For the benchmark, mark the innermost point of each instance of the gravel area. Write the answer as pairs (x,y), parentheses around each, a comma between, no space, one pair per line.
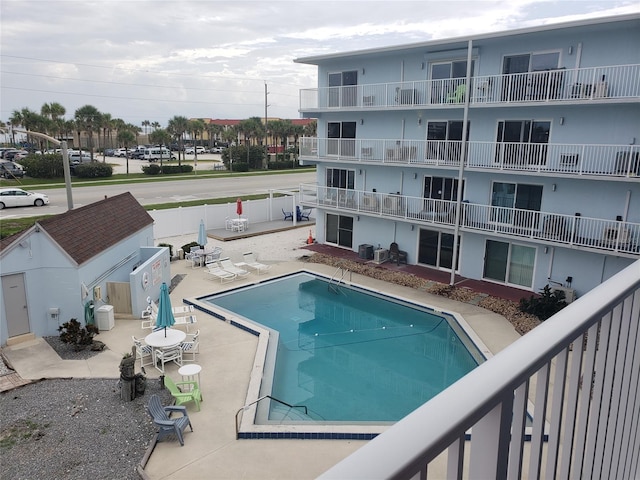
(74,428)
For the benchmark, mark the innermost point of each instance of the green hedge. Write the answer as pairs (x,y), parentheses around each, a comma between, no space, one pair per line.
(43,166)
(282,165)
(93,170)
(155,169)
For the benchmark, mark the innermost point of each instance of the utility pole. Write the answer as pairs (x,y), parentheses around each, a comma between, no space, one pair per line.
(266,130)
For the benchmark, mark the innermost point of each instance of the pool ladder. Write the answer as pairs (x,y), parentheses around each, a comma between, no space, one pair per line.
(302,407)
(337,279)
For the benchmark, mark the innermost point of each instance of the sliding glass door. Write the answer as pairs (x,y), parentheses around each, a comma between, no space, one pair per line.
(509,263)
(339,230)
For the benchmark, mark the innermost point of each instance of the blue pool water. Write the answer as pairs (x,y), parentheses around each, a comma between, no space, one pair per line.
(352,355)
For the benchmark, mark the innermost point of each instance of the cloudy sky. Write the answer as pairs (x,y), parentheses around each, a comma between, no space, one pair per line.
(151,60)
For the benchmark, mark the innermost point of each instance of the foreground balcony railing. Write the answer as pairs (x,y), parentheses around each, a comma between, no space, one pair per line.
(580,369)
(547,227)
(557,159)
(617,82)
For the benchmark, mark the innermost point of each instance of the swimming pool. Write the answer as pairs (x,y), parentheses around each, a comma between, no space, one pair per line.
(349,355)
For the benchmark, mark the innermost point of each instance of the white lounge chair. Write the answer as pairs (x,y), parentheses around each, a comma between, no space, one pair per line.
(185,320)
(251,262)
(227,265)
(215,271)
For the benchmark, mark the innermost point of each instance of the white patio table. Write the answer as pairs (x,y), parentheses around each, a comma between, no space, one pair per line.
(157,339)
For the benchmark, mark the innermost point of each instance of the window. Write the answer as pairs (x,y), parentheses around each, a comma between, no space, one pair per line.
(522,142)
(509,263)
(341,91)
(444,140)
(519,196)
(341,138)
(339,230)
(521,85)
(436,249)
(446,77)
(341,178)
(441,188)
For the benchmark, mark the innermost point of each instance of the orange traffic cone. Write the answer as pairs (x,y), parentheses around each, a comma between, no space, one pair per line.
(310,239)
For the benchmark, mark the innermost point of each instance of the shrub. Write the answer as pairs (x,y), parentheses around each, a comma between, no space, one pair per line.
(43,166)
(187,247)
(155,169)
(282,165)
(170,248)
(544,306)
(76,335)
(93,170)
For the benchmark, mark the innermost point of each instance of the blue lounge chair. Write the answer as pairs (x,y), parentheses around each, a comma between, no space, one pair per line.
(287,215)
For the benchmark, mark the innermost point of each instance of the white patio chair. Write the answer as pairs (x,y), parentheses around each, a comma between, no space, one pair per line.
(251,262)
(227,265)
(162,356)
(215,271)
(143,351)
(191,347)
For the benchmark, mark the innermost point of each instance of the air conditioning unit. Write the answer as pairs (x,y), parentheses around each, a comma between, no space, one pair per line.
(380,255)
(392,204)
(569,293)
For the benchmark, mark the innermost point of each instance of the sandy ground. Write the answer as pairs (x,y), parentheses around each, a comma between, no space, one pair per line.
(271,247)
(206,161)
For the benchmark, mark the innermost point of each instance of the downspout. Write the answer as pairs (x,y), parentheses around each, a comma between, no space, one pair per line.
(463,153)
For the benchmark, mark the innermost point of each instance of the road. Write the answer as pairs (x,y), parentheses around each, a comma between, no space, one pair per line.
(165,192)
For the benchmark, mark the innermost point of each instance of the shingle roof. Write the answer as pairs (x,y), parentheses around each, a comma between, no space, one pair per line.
(86,231)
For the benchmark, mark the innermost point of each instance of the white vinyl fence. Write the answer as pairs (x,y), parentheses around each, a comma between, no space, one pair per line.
(186,220)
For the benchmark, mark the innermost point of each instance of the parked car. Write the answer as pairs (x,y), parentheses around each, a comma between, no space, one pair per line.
(191,150)
(120,152)
(154,154)
(16,197)
(11,170)
(109,152)
(11,154)
(76,158)
(217,149)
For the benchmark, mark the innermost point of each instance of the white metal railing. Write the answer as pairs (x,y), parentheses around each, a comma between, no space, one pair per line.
(575,85)
(581,370)
(557,158)
(548,227)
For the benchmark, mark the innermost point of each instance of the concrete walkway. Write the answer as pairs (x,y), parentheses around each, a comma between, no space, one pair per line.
(227,357)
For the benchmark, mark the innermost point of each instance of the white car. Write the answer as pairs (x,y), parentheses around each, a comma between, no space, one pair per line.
(191,151)
(217,149)
(16,197)
(121,152)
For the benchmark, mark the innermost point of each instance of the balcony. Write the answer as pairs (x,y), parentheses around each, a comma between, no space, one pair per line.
(572,231)
(574,160)
(581,85)
(579,369)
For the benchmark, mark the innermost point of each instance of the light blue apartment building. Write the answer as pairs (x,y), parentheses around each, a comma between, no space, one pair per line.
(549,189)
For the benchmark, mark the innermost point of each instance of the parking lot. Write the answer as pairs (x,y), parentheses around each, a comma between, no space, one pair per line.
(206,161)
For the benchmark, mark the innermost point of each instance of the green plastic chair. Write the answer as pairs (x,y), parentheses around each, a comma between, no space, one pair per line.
(458,95)
(184,392)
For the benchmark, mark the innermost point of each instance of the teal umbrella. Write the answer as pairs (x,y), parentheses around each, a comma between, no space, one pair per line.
(165,313)
(202,235)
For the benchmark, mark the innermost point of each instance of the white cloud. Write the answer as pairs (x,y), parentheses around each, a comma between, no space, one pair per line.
(151,60)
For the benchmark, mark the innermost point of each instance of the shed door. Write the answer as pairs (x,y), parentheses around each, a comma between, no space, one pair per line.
(119,295)
(15,304)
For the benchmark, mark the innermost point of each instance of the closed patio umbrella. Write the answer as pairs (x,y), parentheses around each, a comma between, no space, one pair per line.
(165,314)
(202,235)
(239,207)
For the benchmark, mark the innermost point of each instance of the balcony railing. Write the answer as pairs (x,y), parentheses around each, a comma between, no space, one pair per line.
(576,85)
(557,159)
(545,227)
(580,371)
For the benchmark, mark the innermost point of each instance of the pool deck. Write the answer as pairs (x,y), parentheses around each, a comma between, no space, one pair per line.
(228,357)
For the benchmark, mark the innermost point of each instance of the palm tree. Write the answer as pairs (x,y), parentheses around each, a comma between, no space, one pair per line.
(106,123)
(311,129)
(196,127)
(126,137)
(145,124)
(296,131)
(88,120)
(162,138)
(177,127)
(156,125)
(54,111)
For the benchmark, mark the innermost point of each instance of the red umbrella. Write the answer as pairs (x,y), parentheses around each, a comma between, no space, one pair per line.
(239,206)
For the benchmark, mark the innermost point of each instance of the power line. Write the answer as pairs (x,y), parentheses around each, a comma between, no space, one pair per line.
(149,71)
(138,84)
(126,98)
